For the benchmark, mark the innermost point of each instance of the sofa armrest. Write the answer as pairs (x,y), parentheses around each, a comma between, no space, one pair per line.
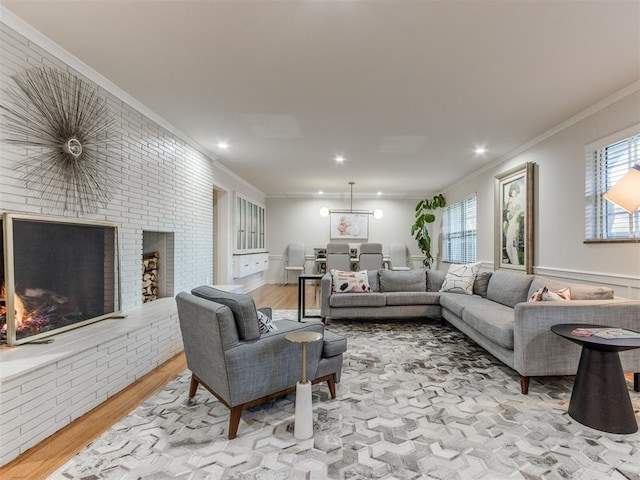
(538,351)
(325,293)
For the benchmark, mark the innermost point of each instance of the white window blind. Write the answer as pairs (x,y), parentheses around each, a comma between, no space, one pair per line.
(606,165)
(459,232)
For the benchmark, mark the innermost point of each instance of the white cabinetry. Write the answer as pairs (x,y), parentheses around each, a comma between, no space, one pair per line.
(250,225)
(250,263)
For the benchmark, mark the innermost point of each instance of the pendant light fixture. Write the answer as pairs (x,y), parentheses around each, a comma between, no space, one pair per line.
(377,213)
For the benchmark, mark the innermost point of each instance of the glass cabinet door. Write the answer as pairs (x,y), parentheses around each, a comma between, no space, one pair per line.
(250,225)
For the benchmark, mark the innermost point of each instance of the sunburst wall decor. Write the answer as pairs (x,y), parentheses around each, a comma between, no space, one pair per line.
(71,129)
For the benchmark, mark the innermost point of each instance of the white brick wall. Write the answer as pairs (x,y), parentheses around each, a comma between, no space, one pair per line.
(45,387)
(165,185)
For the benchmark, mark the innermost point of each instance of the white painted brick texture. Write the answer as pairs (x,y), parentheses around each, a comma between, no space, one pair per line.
(163,185)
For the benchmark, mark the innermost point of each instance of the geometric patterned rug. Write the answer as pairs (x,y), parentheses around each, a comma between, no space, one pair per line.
(417,400)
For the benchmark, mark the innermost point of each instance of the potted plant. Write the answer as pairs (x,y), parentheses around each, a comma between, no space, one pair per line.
(425,216)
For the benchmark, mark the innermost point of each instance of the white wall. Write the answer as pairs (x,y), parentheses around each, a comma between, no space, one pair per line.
(298,220)
(559,204)
(165,183)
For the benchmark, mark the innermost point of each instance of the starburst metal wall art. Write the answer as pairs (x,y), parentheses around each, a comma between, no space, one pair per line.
(71,134)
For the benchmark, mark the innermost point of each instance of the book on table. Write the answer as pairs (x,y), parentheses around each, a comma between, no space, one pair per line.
(608,333)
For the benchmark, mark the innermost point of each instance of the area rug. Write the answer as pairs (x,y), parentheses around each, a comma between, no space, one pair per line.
(417,400)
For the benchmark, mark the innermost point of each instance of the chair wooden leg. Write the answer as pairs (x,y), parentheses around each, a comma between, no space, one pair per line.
(194,386)
(636,382)
(234,421)
(524,385)
(331,382)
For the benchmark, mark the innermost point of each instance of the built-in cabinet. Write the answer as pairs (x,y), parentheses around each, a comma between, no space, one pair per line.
(250,223)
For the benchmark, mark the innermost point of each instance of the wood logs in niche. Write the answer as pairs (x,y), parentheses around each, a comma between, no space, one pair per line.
(150,276)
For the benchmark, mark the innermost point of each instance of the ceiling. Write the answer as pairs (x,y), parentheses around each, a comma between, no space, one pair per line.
(405,90)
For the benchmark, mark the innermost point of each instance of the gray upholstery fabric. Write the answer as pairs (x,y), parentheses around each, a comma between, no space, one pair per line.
(374,281)
(509,288)
(413,298)
(241,371)
(493,320)
(458,302)
(242,306)
(435,279)
(481,284)
(403,281)
(370,257)
(333,344)
(358,300)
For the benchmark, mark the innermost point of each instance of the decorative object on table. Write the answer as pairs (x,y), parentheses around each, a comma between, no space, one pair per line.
(420,228)
(69,128)
(303,426)
(514,219)
(626,193)
(349,224)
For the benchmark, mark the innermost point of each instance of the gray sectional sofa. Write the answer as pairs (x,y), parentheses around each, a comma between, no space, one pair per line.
(497,316)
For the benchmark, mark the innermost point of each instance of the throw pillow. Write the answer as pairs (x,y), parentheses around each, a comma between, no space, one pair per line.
(349,282)
(481,283)
(460,278)
(543,294)
(266,324)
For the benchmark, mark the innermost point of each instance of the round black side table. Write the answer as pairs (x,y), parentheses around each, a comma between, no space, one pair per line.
(600,398)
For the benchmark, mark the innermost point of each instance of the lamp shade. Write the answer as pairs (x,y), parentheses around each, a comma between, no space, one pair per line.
(626,193)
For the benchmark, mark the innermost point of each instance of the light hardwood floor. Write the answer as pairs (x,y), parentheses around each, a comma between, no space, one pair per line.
(43,459)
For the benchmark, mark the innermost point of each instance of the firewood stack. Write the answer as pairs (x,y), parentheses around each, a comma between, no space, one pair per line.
(150,276)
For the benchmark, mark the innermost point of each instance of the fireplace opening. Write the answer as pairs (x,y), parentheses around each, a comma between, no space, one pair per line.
(57,274)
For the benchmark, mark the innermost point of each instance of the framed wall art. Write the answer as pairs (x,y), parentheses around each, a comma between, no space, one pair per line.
(514,219)
(349,225)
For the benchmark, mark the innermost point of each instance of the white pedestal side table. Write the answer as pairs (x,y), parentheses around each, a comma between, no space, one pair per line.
(303,427)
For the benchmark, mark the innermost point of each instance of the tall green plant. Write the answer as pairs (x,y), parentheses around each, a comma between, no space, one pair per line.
(425,216)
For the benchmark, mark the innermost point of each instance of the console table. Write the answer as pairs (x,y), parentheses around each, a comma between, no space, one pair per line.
(302,279)
(600,398)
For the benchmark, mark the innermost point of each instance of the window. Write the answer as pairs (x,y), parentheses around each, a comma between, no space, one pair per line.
(607,162)
(459,232)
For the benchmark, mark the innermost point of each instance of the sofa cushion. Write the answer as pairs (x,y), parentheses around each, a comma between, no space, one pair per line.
(413,298)
(509,288)
(349,282)
(374,281)
(333,344)
(265,323)
(481,283)
(403,281)
(435,279)
(493,320)
(242,306)
(543,294)
(456,303)
(358,300)
(460,278)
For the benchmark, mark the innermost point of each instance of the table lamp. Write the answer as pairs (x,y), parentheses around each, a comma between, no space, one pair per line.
(626,193)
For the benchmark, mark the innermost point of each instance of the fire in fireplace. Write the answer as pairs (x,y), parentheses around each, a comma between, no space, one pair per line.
(57,274)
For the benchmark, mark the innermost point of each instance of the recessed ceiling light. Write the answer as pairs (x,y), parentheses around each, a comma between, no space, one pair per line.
(223,145)
(339,158)
(379,193)
(480,151)
(320,192)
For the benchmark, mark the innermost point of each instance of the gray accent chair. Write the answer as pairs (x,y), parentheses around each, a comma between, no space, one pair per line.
(370,257)
(338,257)
(241,367)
